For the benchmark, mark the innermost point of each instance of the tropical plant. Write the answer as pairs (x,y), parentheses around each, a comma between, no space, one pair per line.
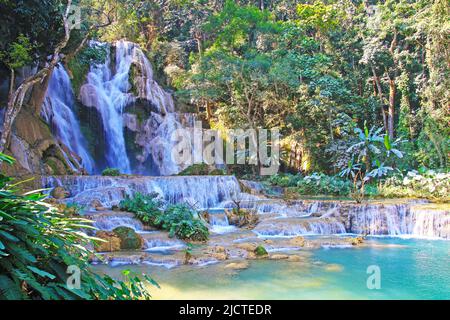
(183,222)
(146,207)
(414,184)
(179,220)
(39,245)
(365,154)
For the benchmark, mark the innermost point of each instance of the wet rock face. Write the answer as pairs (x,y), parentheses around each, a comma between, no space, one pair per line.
(237,265)
(111,242)
(298,241)
(36,150)
(242,218)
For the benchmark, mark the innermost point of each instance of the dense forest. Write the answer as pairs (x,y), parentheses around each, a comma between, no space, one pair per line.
(313,69)
(358,89)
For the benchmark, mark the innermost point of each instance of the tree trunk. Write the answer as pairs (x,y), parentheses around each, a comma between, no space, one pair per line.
(16,97)
(391,111)
(38,94)
(377,82)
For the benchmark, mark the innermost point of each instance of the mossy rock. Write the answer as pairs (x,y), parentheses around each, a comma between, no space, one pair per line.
(111,242)
(260,251)
(217,172)
(200,169)
(111,172)
(129,239)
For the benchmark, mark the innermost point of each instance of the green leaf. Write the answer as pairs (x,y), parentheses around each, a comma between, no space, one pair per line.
(6,158)
(42,273)
(387,142)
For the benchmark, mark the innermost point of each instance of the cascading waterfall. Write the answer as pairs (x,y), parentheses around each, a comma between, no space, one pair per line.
(278,217)
(110,90)
(58,112)
(399,220)
(203,192)
(108,93)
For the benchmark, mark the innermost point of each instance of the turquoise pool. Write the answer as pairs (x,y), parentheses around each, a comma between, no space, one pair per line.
(409,269)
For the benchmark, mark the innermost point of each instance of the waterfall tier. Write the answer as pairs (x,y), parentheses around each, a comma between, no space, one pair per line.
(200,191)
(58,111)
(277,217)
(137,115)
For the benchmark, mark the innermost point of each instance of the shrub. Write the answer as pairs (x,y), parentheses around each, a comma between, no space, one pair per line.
(218,172)
(314,184)
(285,180)
(145,207)
(37,245)
(200,169)
(179,220)
(428,184)
(111,172)
(321,184)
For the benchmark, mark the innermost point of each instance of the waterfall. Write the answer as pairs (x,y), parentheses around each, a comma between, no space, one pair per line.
(296,227)
(203,192)
(108,221)
(219,222)
(58,112)
(107,91)
(277,217)
(399,220)
(111,89)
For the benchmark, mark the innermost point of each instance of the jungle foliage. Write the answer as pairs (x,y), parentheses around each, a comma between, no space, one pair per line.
(314,69)
(42,246)
(180,220)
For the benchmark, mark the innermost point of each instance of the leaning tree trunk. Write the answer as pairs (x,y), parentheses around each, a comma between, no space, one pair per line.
(16,97)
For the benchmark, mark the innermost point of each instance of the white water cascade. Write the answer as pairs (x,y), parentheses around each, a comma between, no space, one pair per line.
(58,112)
(277,217)
(399,220)
(110,91)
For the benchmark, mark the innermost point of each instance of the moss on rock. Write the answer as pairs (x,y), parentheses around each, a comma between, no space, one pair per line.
(129,239)
(260,251)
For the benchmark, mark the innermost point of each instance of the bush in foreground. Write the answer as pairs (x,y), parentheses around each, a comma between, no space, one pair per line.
(39,244)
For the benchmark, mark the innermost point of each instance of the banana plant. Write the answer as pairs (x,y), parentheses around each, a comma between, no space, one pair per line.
(391,146)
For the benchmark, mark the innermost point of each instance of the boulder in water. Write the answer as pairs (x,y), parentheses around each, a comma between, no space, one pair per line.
(260,251)
(129,239)
(294,258)
(218,252)
(242,218)
(97,205)
(59,193)
(237,265)
(279,257)
(356,241)
(247,246)
(111,242)
(333,267)
(298,241)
